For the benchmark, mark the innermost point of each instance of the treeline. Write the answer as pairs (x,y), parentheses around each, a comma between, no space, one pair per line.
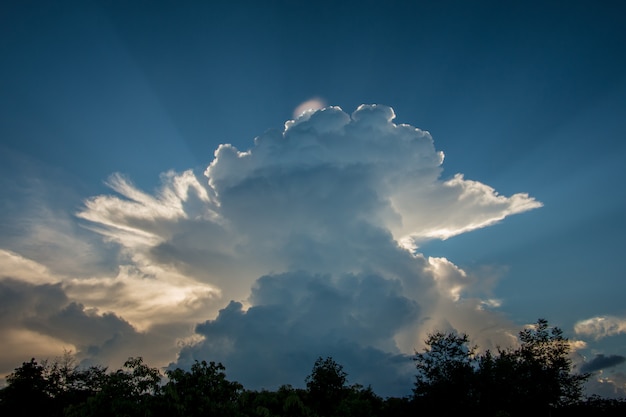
(451,378)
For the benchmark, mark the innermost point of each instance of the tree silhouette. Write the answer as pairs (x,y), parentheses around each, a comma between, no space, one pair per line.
(326,385)
(49,388)
(204,390)
(286,401)
(130,391)
(532,379)
(536,377)
(445,373)
(26,393)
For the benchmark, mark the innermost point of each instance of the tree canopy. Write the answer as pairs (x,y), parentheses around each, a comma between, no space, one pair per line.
(452,377)
(534,378)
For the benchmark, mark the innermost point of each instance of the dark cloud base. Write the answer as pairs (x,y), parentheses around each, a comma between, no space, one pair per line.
(298,317)
(602,362)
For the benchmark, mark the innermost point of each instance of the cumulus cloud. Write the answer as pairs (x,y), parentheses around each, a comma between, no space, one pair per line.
(601,326)
(306,244)
(394,169)
(296,317)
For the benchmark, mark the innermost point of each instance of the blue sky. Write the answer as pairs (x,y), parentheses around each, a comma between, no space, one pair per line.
(104,98)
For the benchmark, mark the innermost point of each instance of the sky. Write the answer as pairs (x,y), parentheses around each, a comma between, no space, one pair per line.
(263,183)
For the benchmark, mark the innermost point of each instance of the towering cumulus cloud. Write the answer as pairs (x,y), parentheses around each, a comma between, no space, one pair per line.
(306,244)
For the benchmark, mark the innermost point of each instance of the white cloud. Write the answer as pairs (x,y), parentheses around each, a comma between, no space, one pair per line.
(601,326)
(576,345)
(453,207)
(321,211)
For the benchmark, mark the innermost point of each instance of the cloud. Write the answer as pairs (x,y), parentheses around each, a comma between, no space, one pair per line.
(15,265)
(40,320)
(306,244)
(608,386)
(458,206)
(394,169)
(296,317)
(328,181)
(601,326)
(39,225)
(602,362)
(28,312)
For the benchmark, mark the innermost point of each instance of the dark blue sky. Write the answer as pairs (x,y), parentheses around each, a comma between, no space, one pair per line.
(521,96)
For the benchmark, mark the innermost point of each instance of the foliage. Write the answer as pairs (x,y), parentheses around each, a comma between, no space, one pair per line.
(26,393)
(68,384)
(360,401)
(286,401)
(535,378)
(544,360)
(328,392)
(50,387)
(130,391)
(204,390)
(327,386)
(445,370)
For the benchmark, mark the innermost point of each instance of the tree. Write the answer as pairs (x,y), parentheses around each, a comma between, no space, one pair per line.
(326,385)
(286,401)
(26,392)
(204,390)
(50,387)
(445,373)
(68,384)
(130,391)
(360,401)
(531,379)
(543,360)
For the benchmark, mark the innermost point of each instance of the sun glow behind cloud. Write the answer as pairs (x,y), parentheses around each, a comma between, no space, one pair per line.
(310,105)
